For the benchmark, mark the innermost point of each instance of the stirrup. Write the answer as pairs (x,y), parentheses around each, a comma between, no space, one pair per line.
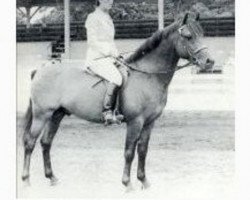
(118,117)
(112,118)
(107,117)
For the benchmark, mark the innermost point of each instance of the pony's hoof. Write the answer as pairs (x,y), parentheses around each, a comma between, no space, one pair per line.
(26,184)
(54,181)
(145,185)
(26,181)
(129,188)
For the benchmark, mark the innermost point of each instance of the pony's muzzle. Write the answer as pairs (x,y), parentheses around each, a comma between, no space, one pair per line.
(205,64)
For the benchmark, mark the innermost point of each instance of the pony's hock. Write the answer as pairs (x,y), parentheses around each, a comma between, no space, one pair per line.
(60,90)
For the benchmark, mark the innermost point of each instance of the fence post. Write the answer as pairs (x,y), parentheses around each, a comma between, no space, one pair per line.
(67,28)
(160,14)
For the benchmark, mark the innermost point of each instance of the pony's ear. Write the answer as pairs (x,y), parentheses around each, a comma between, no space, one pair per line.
(197,18)
(184,20)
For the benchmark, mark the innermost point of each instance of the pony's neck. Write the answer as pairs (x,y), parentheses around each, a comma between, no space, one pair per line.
(162,59)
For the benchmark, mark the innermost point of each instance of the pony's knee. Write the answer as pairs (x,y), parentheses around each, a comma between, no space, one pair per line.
(142,150)
(129,155)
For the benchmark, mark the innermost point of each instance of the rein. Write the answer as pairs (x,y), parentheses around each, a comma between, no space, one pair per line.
(158,72)
(151,72)
(121,62)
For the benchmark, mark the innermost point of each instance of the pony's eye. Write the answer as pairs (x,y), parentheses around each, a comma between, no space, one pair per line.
(189,37)
(180,30)
(185,33)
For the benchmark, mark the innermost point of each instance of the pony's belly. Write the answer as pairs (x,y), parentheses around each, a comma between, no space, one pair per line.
(90,112)
(85,101)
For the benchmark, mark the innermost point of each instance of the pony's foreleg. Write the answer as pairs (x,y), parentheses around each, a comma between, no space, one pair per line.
(142,149)
(46,141)
(133,131)
(30,137)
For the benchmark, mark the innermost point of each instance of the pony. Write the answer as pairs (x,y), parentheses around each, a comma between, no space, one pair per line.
(58,90)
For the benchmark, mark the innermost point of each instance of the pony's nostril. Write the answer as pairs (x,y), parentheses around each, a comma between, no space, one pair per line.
(194,60)
(210,61)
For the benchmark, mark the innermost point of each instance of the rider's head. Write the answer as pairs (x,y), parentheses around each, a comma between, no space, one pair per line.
(105,5)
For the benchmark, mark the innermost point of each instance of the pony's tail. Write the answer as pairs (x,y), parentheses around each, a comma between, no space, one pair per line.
(27,122)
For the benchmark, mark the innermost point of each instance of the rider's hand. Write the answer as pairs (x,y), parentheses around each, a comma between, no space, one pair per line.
(120,57)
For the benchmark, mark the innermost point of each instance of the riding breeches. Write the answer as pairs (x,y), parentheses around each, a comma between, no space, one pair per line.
(106,69)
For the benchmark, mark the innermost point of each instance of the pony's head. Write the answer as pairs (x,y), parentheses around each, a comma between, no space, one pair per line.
(181,39)
(188,44)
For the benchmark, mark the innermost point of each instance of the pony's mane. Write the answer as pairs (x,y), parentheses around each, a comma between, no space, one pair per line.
(154,41)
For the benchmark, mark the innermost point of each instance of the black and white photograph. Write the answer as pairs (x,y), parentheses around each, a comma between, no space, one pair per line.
(126,99)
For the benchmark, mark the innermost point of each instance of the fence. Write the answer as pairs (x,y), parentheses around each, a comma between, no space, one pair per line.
(124,29)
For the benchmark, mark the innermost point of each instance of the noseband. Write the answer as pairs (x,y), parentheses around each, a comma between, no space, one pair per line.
(192,53)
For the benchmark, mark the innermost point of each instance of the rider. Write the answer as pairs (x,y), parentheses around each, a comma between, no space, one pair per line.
(102,49)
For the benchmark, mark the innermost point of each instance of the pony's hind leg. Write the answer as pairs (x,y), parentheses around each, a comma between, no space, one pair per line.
(29,138)
(46,141)
(142,149)
(133,132)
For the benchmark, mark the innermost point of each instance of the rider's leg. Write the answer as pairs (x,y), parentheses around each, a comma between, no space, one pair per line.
(106,69)
(109,103)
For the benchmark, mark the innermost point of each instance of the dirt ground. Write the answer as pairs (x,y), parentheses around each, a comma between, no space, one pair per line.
(191,156)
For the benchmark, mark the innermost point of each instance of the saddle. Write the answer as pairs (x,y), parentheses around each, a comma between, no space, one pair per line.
(122,67)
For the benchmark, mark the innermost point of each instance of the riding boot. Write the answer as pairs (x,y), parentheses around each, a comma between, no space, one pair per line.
(108,105)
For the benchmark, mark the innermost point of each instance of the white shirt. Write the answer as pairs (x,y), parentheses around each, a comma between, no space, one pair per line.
(100,35)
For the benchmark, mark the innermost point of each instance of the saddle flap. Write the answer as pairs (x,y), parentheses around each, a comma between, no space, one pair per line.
(114,72)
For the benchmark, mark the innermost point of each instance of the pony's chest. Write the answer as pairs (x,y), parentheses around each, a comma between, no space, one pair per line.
(143,97)
(149,108)
(156,107)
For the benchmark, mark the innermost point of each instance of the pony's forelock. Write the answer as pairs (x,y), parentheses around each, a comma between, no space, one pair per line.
(195,29)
